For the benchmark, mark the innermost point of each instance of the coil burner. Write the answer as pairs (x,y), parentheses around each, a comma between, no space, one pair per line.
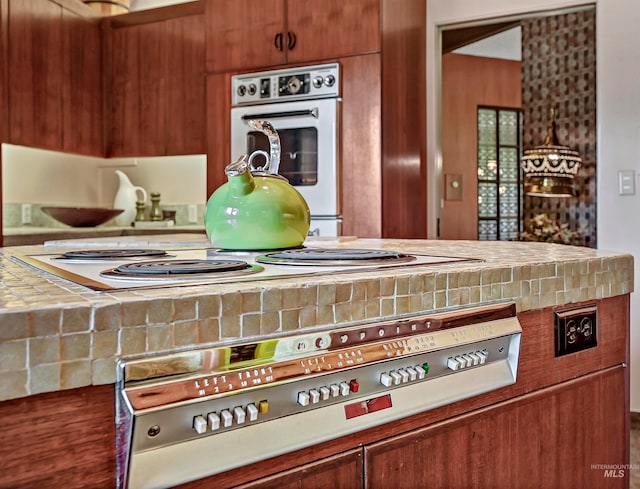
(110,254)
(333,257)
(181,269)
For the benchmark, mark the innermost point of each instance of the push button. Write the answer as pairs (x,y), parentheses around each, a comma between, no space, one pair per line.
(263,407)
(344,389)
(226,417)
(354,386)
(252,412)
(325,393)
(396,377)
(239,415)
(214,421)
(315,396)
(303,398)
(404,374)
(335,390)
(386,380)
(200,424)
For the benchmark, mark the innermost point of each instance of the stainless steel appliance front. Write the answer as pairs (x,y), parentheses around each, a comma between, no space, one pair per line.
(303,105)
(185,416)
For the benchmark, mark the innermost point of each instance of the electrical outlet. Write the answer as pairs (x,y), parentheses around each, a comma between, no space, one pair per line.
(26,213)
(575,329)
(192,211)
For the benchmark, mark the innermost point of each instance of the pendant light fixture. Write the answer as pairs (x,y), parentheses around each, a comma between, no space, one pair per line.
(549,169)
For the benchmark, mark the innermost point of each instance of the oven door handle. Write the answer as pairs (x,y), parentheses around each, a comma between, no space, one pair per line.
(281,115)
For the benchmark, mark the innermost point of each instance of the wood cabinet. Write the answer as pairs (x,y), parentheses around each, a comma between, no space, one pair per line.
(156,77)
(249,35)
(54,78)
(344,471)
(515,444)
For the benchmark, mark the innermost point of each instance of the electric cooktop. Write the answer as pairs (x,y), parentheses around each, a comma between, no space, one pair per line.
(143,267)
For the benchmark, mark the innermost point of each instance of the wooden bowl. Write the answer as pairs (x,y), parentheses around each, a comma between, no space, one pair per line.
(81,217)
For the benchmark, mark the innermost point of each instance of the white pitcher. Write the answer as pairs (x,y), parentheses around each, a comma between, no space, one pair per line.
(126,198)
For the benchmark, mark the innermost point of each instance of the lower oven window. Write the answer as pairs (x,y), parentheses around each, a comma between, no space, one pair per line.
(299,153)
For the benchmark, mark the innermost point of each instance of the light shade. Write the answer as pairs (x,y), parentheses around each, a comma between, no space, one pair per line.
(550,169)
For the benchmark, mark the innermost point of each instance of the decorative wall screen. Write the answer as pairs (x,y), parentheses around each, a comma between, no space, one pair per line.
(499,174)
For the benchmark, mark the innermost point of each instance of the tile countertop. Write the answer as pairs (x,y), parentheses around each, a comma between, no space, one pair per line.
(55,335)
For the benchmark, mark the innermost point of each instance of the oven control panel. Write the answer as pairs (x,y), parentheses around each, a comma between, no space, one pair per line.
(197,405)
(286,85)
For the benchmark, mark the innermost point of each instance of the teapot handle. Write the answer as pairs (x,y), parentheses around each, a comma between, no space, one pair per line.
(267,129)
(264,168)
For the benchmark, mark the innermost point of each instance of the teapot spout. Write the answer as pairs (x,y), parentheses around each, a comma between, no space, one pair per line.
(240,179)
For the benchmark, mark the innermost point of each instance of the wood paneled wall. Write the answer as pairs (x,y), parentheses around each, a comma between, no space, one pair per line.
(469,82)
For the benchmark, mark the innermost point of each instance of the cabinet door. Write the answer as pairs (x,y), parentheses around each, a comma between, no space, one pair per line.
(82,85)
(332,28)
(138,85)
(35,78)
(550,438)
(185,84)
(342,471)
(244,34)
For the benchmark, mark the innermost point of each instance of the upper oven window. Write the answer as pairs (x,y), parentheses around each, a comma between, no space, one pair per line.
(299,153)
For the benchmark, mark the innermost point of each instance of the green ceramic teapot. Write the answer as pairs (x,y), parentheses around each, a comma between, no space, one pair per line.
(257,209)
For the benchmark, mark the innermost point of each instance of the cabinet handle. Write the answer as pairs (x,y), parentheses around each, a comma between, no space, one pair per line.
(291,40)
(277,41)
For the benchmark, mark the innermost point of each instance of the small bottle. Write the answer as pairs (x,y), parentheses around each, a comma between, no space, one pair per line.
(140,208)
(155,214)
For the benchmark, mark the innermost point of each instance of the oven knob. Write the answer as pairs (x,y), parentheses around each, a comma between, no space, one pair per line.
(242,90)
(317,81)
(252,411)
(252,89)
(200,424)
(294,85)
(329,80)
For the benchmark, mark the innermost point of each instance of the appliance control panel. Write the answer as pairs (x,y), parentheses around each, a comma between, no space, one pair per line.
(315,387)
(308,82)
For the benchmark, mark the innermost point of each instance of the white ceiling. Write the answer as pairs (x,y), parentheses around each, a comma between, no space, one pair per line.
(506,45)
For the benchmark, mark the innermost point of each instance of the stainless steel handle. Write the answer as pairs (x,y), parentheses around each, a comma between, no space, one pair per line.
(281,115)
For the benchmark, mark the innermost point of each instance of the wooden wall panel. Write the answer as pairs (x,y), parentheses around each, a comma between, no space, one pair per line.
(404,178)
(360,171)
(468,82)
(218,129)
